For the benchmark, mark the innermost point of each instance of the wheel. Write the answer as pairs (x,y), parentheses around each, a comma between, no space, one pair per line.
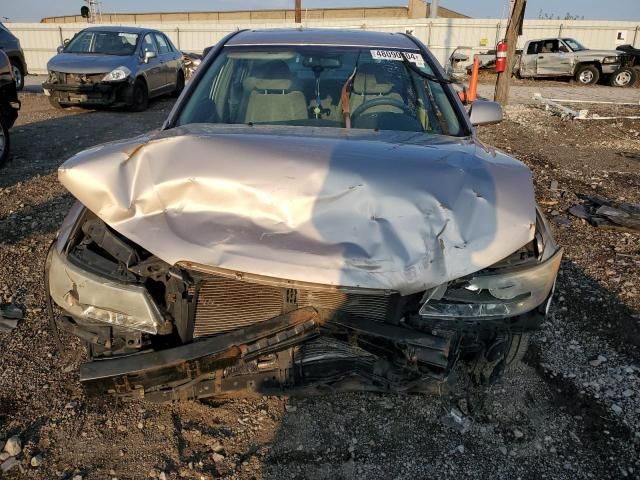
(623,77)
(517,350)
(56,104)
(587,75)
(4,142)
(140,97)
(18,75)
(179,84)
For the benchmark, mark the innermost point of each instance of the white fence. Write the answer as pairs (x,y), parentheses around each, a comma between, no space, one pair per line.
(40,40)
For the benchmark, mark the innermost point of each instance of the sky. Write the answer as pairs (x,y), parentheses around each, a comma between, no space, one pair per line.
(33,10)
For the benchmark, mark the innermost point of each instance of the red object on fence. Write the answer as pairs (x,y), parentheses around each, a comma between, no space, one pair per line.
(501,56)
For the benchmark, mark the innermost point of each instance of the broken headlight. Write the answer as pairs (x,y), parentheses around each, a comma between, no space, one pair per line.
(496,295)
(516,285)
(117,74)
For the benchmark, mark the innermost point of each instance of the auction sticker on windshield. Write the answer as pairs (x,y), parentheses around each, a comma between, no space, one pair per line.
(396,55)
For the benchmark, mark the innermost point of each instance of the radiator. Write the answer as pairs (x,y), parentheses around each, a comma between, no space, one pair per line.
(225,304)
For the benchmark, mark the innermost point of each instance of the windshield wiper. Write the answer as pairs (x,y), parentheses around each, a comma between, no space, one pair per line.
(436,108)
(344,99)
(428,76)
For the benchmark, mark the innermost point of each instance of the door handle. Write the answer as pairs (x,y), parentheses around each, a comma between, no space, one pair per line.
(541,56)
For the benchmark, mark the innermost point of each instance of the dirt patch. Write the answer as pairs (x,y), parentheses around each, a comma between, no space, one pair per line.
(540,421)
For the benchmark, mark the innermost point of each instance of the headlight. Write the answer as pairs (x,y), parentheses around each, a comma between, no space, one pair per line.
(117,75)
(497,295)
(613,59)
(93,298)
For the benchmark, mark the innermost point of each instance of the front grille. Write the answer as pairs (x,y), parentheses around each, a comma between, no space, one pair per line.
(225,304)
(76,79)
(370,306)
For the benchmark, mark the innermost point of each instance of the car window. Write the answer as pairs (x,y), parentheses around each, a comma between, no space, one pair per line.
(574,45)
(148,44)
(163,46)
(333,87)
(549,46)
(105,43)
(534,47)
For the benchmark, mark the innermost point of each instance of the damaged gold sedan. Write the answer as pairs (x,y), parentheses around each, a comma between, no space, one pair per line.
(316,213)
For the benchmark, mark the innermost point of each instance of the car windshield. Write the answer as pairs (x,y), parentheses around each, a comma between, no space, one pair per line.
(105,43)
(345,87)
(573,44)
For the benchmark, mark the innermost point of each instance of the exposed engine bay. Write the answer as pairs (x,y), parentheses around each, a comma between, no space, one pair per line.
(167,332)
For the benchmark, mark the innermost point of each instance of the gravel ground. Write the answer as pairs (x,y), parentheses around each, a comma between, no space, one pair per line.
(572,410)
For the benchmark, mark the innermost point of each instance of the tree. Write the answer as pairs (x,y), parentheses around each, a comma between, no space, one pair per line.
(549,16)
(501,94)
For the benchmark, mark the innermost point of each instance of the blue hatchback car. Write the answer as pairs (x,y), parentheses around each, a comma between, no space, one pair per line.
(114,66)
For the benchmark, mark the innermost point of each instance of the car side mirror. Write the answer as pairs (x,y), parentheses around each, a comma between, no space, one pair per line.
(148,56)
(484,112)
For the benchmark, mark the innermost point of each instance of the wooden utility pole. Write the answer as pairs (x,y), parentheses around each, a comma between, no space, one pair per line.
(513,28)
(298,11)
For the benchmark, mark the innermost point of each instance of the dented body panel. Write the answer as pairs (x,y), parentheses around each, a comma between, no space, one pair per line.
(387,210)
(249,253)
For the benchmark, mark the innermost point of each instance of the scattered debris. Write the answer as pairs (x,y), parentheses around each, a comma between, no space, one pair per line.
(36,461)
(557,109)
(217,458)
(9,464)
(10,315)
(13,446)
(554,105)
(601,212)
(456,420)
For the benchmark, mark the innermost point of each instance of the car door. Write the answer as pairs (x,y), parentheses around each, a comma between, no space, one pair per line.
(552,59)
(153,67)
(529,59)
(166,56)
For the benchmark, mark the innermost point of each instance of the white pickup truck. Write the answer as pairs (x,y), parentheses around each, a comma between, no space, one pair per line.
(566,57)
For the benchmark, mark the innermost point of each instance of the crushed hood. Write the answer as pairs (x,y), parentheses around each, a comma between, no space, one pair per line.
(385,210)
(86,63)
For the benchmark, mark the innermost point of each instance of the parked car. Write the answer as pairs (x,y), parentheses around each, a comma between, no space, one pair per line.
(629,72)
(114,66)
(316,211)
(9,105)
(191,62)
(566,57)
(11,46)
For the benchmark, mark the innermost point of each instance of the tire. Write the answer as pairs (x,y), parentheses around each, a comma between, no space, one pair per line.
(179,84)
(18,75)
(140,97)
(5,143)
(624,77)
(517,350)
(587,75)
(56,104)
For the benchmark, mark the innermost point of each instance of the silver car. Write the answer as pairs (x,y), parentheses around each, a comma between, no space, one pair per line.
(114,66)
(316,212)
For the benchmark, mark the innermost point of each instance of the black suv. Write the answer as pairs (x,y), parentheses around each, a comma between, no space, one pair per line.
(11,46)
(9,105)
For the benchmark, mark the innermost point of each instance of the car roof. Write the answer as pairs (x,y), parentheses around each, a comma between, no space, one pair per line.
(322,36)
(123,29)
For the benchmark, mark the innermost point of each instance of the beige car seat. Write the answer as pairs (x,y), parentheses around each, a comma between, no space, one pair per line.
(371,82)
(270,95)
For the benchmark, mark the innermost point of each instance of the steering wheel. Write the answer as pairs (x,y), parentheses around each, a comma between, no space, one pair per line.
(381,101)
